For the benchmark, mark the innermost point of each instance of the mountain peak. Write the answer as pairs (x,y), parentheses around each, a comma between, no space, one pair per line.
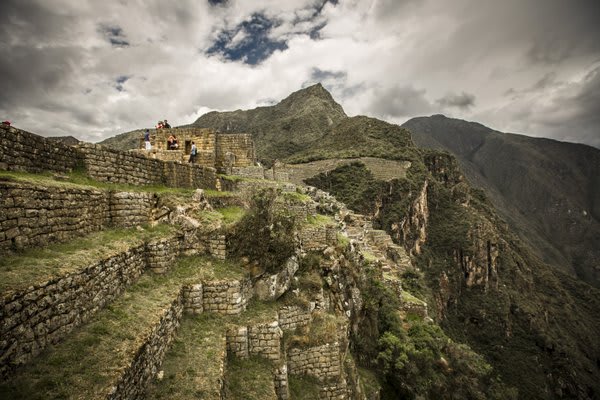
(317,90)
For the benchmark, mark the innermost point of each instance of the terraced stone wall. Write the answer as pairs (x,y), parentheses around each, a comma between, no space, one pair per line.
(108,165)
(218,296)
(144,367)
(262,339)
(34,317)
(314,238)
(291,317)
(323,362)
(34,215)
(24,151)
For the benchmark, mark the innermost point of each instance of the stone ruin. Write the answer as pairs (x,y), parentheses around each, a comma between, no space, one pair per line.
(38,315)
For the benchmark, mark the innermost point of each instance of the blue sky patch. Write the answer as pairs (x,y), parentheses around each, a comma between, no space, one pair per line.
(249,41)
(114,34)
(120,81)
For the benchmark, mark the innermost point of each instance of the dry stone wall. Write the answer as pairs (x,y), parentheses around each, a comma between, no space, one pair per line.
(234,150)
(161,253)
(149,357)
(34,215)
(291,317)
(108,165)
(24,151)
(43,314)
(262,339)
(130,208)
(323,362)
(315,238)
(219,296)
(282,383)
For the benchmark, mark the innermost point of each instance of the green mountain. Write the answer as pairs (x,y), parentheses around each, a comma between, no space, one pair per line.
(290,126)
(548,191)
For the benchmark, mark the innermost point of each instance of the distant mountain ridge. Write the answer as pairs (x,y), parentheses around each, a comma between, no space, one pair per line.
(549,191)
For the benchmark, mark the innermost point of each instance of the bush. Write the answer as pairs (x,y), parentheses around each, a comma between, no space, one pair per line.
(265,236)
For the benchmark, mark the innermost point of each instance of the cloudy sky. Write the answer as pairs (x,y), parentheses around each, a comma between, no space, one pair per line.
(93,69)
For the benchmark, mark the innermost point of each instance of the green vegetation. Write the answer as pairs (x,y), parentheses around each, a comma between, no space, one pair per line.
(192,365)
(416,359)
(231,214)
(324,328)
(320,220)
(38,265)
(264,235)
(79,179)
(249,379)
(303,387)
(87,364)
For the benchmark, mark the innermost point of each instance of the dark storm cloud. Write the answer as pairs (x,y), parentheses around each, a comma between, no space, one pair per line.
(400,101)
(29,75)
(218,2)
(29,22)
(462,100)
(575,116)
(256,44)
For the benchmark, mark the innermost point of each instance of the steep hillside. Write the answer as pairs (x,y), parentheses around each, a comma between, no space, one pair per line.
(290,126)
(536,326)
(548,191)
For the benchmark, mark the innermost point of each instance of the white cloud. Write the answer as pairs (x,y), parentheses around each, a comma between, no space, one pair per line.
(390,59)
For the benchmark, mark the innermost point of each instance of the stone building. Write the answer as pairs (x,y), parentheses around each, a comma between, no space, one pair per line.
(219,150)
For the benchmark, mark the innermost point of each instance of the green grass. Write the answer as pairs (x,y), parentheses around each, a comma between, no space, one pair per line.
(369,382)
(323,329)
(249,379)
(87,364)
(297,197)
(37,265)
(192,366)
(231,214)
(409,298)
(319,220)
(78,179)
(303,387)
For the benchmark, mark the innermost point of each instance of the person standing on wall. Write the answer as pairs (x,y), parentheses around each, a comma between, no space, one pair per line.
(147,140)
(193,154)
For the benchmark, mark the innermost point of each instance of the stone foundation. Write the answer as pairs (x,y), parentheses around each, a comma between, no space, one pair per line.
(291,317)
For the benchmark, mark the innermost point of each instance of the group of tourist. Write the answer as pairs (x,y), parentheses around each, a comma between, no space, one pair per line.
(163,124)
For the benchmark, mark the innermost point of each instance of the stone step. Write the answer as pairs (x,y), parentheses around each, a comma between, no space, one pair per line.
(46,293)
(195,366)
